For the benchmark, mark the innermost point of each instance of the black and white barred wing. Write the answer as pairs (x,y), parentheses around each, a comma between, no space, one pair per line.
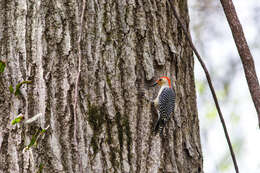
(166,107)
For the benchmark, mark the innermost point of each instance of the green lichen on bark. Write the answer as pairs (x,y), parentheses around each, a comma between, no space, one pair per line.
(128,135)
(96,119)
(124,129)
(109,141)
(108,81)
(120,131)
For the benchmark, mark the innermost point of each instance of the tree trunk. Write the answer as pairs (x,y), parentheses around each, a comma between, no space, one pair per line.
(125,45)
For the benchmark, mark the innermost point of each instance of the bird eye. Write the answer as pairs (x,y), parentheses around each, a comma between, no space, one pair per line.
(160,80)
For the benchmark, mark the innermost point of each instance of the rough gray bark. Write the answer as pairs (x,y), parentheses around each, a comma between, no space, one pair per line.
(125,44)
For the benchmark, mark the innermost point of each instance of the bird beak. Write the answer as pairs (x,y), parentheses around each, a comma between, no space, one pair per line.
(154,84)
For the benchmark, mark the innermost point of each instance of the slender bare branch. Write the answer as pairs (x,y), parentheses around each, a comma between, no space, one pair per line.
(210,86)
(244,53)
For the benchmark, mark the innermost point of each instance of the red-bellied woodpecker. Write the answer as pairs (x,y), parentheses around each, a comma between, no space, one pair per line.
(164,102)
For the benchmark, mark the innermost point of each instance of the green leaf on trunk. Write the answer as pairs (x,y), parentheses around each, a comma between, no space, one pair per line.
(18,86)
(33,140)
(2,66)
(18,119)
(11,89)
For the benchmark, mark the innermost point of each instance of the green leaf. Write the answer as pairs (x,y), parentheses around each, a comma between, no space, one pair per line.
(2,66)
(17,92)
(11,89)
(18,119)
(36,137)
(44,130)
(33,140)
(18,86)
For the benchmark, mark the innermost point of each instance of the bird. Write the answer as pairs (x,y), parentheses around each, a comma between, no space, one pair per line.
(164,102)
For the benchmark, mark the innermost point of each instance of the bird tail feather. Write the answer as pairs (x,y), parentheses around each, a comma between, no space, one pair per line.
(159,126)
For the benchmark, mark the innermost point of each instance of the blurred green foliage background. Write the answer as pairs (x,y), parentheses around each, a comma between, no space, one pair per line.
(213,39)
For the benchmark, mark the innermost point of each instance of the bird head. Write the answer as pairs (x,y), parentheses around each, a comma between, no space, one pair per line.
(162,81)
